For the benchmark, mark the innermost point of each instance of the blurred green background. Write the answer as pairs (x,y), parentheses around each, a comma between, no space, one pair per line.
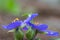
(48,10)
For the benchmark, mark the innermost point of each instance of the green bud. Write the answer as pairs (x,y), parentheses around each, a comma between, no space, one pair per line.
(30,34)
(18,35)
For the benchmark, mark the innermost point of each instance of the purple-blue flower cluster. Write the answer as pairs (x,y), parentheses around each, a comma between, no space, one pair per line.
(27,23)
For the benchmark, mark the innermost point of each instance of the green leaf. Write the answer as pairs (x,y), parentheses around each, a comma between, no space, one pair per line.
(30,34)
(18,35)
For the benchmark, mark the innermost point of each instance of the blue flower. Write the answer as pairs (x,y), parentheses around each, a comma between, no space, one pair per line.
(30,17)
(12,25)
(27,23)
(43,28)
(51,33)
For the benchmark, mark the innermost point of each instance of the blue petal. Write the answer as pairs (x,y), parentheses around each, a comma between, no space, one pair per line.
(30,17)
(32,25)
(51,33)
(25,28)
(42,27)
(12,25)
(38,27)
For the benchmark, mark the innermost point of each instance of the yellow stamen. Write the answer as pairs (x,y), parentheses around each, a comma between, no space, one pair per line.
(15,19)
(36,23)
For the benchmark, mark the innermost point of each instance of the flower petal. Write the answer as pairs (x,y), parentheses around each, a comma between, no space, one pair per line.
(42,27)
(51,33)
(32,25)
(12,25)
(30,17)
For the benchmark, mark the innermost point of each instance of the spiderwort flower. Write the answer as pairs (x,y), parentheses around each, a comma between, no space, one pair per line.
(43,28)
(27,22)
(39,27)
